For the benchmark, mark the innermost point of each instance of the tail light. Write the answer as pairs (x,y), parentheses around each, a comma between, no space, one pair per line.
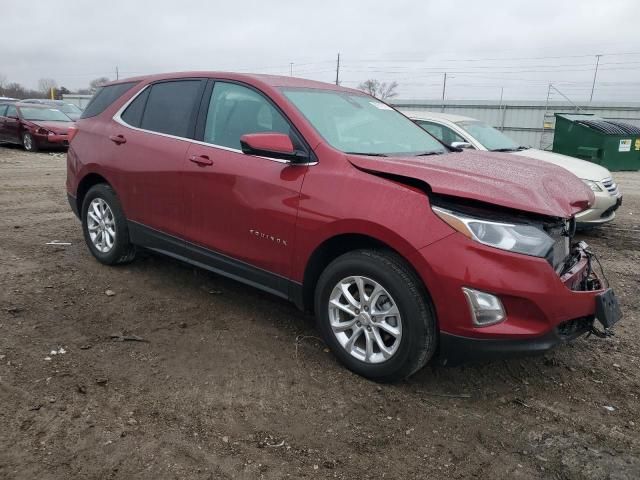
(72,132)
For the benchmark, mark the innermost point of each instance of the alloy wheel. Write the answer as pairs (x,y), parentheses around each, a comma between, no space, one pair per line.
(101,225)
(27,142)
(365,319)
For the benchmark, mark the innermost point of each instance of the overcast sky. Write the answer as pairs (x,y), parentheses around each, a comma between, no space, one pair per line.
(483,45)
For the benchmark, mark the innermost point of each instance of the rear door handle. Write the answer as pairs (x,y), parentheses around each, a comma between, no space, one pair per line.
(201,160)
(118,139)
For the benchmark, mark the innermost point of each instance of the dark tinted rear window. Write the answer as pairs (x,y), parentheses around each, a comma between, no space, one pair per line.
(171,106)
(133,114)
(104,97)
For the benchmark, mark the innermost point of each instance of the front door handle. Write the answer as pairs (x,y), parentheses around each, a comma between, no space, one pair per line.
(118,139)
(201,160)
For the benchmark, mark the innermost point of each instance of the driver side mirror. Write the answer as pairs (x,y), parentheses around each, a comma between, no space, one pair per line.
(463,145)
(271,144)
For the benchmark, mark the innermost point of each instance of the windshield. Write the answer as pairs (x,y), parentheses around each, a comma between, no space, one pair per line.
(360,124)
(489,137)
(69,108)
(43,114)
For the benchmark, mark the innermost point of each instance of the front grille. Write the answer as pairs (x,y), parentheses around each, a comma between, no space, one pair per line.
(611,186)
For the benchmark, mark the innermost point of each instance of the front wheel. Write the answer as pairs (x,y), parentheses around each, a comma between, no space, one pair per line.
(29,143)
(105,226)
(376,315)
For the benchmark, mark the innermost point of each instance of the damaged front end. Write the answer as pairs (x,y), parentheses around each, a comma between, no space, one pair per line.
(575,263)
(578,273)
(550,238)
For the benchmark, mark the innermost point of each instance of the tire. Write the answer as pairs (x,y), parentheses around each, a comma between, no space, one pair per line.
(416,335)
(114,226)
(29,143)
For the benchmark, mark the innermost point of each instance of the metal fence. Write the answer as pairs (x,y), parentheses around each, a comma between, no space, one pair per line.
(528,123)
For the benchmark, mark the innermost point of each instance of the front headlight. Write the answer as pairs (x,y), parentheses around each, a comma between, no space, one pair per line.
(514,237)
(592,185)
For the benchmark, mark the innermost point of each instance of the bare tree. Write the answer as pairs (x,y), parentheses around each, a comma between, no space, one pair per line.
(3,80)
(97,82)
(15,90)
(378,89)
(46,84)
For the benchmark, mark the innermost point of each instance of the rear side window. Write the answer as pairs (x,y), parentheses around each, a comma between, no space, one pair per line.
(3,109)
(133,114)
(171,107)
(104,97)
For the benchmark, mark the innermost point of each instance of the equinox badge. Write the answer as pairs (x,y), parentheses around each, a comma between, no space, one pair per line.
(266,236)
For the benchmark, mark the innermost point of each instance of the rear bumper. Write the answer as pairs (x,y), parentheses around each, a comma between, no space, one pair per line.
(73,204)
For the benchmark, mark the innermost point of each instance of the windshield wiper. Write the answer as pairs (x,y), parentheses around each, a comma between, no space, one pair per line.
(510,149)
(431,152)
(368,154)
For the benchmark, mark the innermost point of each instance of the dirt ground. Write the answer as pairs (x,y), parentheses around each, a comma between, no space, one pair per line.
(233,383)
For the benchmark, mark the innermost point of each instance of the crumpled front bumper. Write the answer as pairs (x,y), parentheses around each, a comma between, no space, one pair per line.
(61,140)
(543,308)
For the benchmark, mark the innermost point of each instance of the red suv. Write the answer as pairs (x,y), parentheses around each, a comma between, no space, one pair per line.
(332,199)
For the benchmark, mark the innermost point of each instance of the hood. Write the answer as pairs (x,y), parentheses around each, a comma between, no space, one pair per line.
(61,128)
(496,178)
(580,168)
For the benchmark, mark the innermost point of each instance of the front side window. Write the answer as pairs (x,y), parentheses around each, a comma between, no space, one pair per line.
(489,137)
(442,133)
(235,110)
(43,114)
(12,112)
(170,107)
(360,124)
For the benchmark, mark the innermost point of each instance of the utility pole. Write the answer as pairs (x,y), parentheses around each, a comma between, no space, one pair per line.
(595,73)
(291,69)
(338,70)
(444,89)
(117,73)
(500,108)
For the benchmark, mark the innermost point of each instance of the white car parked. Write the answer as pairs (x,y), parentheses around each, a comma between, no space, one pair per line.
(466,132)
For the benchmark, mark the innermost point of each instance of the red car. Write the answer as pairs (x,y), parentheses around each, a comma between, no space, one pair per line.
(404,249)
(34,126)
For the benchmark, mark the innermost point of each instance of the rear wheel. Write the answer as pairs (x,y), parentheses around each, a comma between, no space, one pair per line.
(375,314)
(29,143)
(105,226)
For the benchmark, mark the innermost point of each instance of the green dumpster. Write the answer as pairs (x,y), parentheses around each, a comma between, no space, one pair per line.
(612,144)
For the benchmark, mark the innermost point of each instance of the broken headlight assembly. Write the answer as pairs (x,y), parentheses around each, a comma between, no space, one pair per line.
(525,238)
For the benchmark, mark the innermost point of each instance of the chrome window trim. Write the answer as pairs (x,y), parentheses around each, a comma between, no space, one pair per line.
(117,117)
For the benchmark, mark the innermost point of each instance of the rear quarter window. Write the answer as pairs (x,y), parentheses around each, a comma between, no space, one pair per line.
(104,97)
(133,113)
